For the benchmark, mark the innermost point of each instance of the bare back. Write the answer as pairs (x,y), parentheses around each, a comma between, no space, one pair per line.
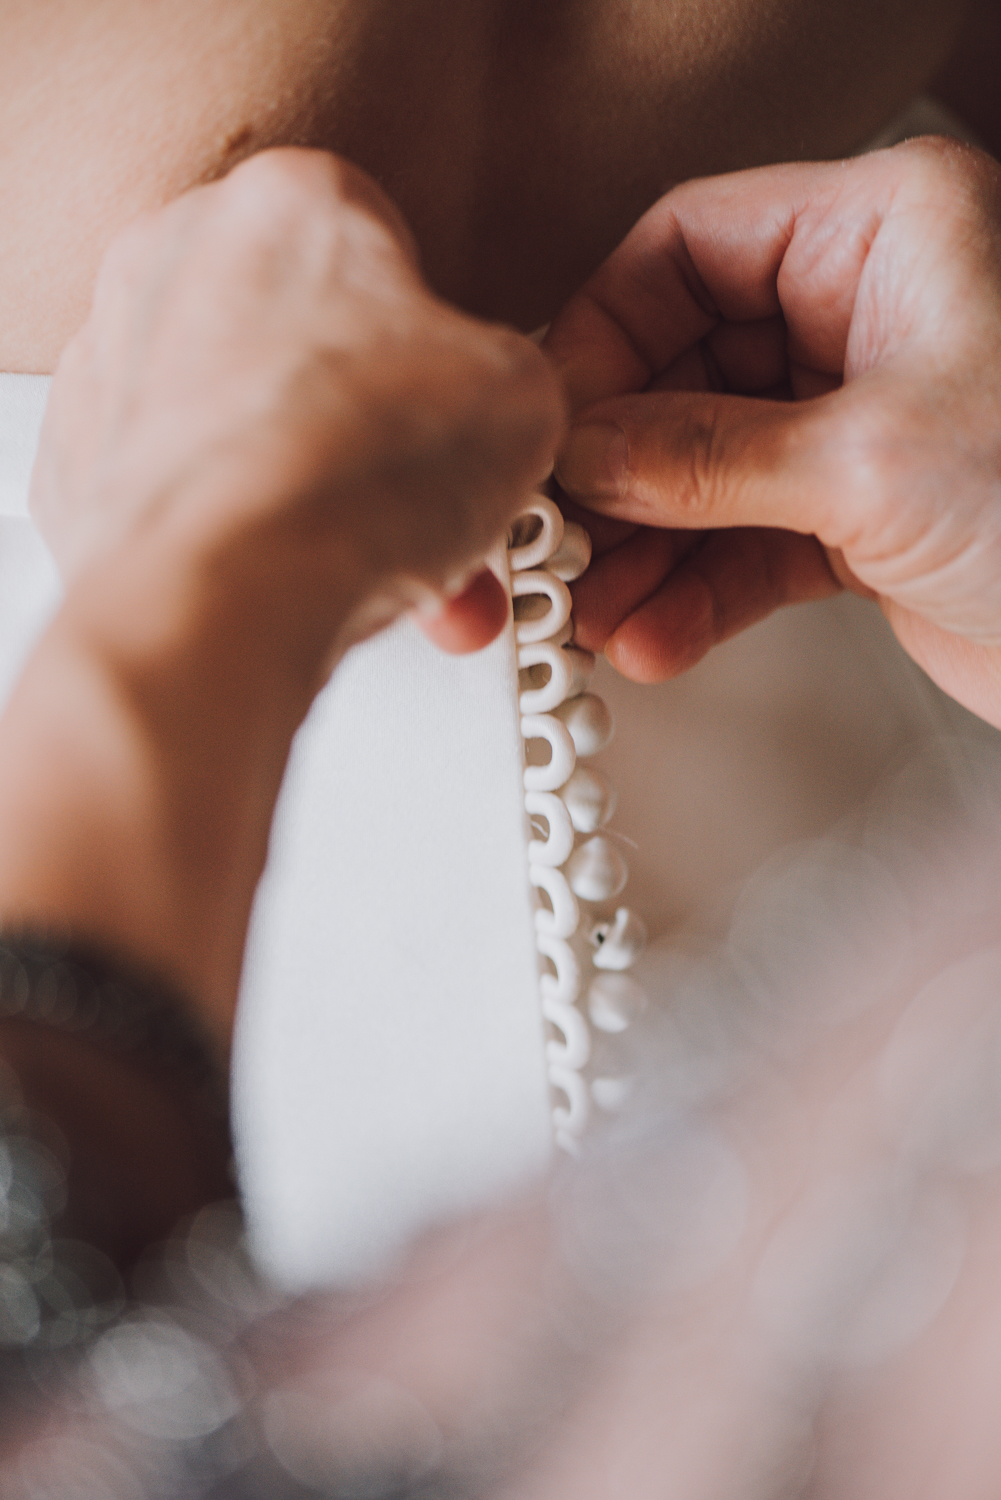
(520,138)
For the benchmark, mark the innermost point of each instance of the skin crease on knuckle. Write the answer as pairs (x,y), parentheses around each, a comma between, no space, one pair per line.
(671,470)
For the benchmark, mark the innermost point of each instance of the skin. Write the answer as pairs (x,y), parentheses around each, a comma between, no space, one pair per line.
(278,321)
(520,142)
(799,380)
(161,703)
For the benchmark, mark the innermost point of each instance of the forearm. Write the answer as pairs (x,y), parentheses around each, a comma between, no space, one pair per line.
(137,781)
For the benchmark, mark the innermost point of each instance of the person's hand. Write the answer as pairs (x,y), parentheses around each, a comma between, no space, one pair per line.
(266,381)
(868,292)
(268,440)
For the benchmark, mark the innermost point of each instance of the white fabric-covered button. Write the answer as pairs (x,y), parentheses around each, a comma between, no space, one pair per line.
(582,669)
(562,921)
(571,558)
(589,722)
(565,985)
(560,686)
(556,707)
(557,848)
(542,606)
(614,1002)
(570,671)
(590,799)
(531,554)
(618,944)
(612,1094)
(597,870)
(573,1117)
(562,760)
(575,1050)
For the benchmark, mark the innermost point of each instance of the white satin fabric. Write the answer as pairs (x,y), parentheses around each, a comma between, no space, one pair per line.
(390,1064)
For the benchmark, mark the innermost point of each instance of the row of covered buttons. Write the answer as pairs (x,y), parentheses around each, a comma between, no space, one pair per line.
(575,861)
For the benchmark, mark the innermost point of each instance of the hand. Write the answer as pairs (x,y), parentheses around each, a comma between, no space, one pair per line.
(268,440)
(265,380)
(790,381)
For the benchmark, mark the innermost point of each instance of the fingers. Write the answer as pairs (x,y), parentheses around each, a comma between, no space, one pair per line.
(658,599)
(619,581)
(717,251)
(471,620)
(787,242)
(727,582)
(865,291)
(605,533)
(703,461)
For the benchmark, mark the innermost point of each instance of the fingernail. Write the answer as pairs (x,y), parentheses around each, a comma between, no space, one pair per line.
(594,461)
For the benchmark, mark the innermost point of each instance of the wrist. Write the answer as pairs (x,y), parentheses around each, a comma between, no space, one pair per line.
(118,1062)
(140,759)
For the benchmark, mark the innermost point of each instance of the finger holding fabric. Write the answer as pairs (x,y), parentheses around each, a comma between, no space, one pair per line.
(805,362)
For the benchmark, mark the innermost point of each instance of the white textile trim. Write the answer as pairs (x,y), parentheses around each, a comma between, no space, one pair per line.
(539,544)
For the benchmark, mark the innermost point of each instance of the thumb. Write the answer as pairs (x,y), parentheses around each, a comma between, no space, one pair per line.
(703,461)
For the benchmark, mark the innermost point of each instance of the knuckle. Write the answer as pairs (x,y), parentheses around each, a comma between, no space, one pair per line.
(295,190)
(276,186)
(130,246)
(531,370)
(959,174)
(699,437)
(932,153)
(860,449)
(498,370)
(497,416)
(125,264)
(361,194)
